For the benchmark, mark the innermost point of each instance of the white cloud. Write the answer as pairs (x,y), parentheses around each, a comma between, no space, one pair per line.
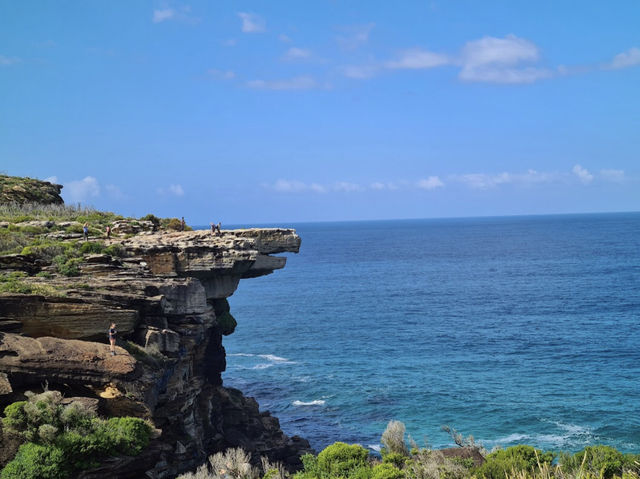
(485,180)
(296,83)
(383,186)
(284,38)
(583,174)
(295,186)
(6,61)
(294,53)
(355,36)
(616,176)
(360,72)
(252,23)
(626,59)
(418,59)
(163,15)
(347,187)
(498,60)
(430,183)
(173,189)
(176,190)
(82,190)
(221,74)
(52,179)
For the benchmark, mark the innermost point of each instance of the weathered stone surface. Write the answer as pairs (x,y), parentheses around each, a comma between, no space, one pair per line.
(68,318)
(163,295)
(20,190)
(62,360)
(5,385)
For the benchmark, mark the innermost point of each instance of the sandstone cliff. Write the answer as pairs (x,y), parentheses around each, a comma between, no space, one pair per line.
(167,293)
(19,190)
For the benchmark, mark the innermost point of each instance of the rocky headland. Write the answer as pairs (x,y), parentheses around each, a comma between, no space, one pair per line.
(167,292)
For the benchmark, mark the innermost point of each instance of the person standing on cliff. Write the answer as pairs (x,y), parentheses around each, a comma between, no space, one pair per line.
(183,224)
(112,338)
(108,231)
(85,231)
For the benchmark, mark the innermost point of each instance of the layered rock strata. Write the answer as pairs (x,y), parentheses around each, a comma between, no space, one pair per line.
(167,295)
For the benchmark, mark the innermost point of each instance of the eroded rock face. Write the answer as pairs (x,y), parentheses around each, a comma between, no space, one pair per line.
(163,296)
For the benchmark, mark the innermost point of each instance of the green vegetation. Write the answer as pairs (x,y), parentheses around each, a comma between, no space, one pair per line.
(63,439)
(14,282)
(352,461)
(16,189)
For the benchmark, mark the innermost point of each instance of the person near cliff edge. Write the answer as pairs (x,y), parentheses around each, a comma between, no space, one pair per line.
(85,231)
(183,224)
(112,338)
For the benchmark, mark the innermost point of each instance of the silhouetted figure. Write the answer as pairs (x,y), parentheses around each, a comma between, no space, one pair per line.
(112,338)
(85,231)
(183,224)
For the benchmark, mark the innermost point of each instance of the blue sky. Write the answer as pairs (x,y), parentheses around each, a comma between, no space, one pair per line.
(281,111)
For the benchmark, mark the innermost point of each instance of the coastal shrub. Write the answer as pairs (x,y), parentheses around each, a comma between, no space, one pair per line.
(91,247)
(394,458)
(393,439)
(603,461)
(35,461)
(67,438)
(227,323)
(431,464)
(386,471)
(154,220)
(341,460)
(115,250)
(174,224)
(515,458)
(67,266)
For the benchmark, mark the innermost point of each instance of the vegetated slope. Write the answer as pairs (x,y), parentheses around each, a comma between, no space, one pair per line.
(20,190)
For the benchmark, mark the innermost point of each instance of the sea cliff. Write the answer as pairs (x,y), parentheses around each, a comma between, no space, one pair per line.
(167,292)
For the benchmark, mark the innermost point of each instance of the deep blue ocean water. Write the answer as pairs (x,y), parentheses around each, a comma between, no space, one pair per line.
(514,330)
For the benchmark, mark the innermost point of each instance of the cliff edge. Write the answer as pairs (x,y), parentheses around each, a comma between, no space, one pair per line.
(167,292)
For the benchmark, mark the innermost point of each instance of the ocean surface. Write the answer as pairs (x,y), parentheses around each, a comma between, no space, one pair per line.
(513,330)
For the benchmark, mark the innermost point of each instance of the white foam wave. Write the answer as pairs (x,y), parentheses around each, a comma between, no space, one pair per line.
(375,447)
(317,402)
(273,357)
(512,438)
(262,366)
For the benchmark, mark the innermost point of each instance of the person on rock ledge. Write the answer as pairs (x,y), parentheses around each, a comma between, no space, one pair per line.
(112,338)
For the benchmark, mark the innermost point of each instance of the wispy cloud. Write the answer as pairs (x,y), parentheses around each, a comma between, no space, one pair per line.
(347,187)
(354,36)
(81,190)
(430,183)
(230,42)
(626,59)
(418,59)
(488,180)
(582,174)
(296,83)
(500,60)
(295,186)
(221,74)
(171,190)
(295,53)
(163,15)
(616,176)
(252,23)
(52,179)
(7,61)
(360,72)
(284,38)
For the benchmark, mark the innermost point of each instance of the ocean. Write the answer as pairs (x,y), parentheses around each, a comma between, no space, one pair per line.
(516,330)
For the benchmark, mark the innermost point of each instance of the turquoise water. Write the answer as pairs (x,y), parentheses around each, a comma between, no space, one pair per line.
(514,330)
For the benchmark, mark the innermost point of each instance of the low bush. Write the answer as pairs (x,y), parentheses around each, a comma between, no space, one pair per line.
(67,266)
(386,471)
(92,247)
(115,250)
(515,458)
(393,439)
(602,461)
(342,460)
(63,439)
